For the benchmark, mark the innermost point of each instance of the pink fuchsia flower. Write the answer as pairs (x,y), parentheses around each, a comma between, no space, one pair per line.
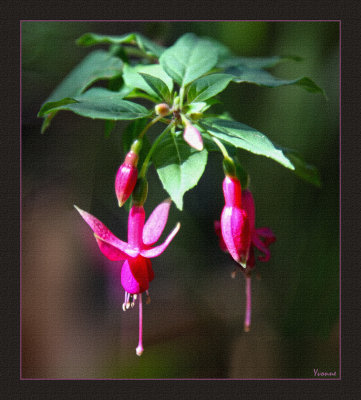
(261,238)
(136,270)
(235,227)
(261,244)
(126,177)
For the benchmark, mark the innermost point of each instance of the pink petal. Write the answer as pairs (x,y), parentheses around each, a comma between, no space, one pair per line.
(156,251)
(236,232)
(193,137)
(103,233)
(261,246)
(266,233)
(135,226)
(134,275)
(156,222)
(111,252)
(249,207)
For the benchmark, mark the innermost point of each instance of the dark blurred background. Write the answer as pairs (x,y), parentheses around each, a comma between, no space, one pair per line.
(72,322)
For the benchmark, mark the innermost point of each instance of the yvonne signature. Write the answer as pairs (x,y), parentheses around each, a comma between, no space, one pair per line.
(322,373)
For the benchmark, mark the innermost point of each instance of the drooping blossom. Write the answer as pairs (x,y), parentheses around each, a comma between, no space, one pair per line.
(126,177)
(192,136)
(261,238)
(136,270)
(234,221)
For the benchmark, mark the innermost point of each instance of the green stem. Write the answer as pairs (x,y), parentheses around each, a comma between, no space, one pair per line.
(143,171)
(150,124)
(221,147)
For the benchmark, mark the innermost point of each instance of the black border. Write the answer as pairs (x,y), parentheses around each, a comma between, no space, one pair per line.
(349,14)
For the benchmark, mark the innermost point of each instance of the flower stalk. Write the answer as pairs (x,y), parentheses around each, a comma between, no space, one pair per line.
(144,169)
(247,318)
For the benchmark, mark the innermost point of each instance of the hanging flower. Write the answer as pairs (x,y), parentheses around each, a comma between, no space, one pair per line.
(256,234)
(136,272)
(234,222)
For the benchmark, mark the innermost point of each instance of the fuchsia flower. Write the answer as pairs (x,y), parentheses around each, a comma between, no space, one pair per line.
(248,207)
(256,234)
(136,272)
(192,136)
(235,227)
(126,177)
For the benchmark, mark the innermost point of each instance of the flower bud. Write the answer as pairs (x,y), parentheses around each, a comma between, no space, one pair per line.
(192,136)
(162,109)
(126,177)
(140,192)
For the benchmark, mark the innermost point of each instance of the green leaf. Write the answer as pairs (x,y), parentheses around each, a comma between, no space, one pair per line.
(95,66)
(99,103)
(200,107)
(264,78)
(189,58)
(223,52)
(133,78)
(179,166)
(208,86)
(257,143)
(256,62)
(304,170)
(48,107)
(157,71)
(247,138)
(149,47)
(159,87)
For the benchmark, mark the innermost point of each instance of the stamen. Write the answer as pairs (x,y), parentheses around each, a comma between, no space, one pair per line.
(125,301)
(139,350)
(233,273)
(247,319)
(147,301)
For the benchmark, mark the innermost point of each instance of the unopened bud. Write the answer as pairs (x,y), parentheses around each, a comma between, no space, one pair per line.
(162,109)
(126,177)
(192,135)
